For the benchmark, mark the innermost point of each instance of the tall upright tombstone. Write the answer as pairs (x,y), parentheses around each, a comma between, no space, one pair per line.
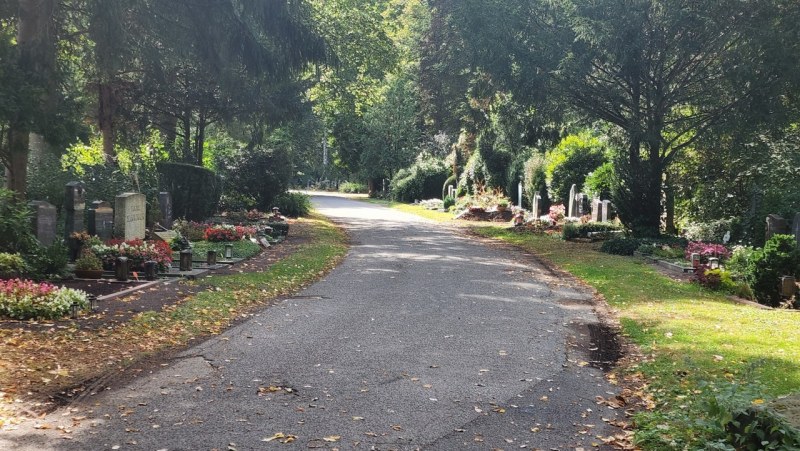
(597,206)
(573,204)
(583,204)
(606,207)
(74,207)
(43,221)
(165,204)
(101,219)
(776,225)
(129,216)
(796,228)
(537,205)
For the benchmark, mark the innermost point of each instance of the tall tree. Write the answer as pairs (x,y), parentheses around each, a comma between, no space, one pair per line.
(663,72)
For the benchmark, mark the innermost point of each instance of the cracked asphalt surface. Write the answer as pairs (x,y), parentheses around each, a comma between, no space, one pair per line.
(421,338)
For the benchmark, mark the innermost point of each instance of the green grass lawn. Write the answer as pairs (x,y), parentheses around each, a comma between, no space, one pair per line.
(435,215)
(694,342)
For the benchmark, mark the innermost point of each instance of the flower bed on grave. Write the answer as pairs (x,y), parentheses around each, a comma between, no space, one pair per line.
(228,233)
(137,252)
(25,299)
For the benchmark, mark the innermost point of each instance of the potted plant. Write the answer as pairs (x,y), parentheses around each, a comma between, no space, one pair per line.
(88,265)
(502,206)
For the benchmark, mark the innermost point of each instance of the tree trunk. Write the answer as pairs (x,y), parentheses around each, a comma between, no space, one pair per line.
(200,138)
(17,169)
(187,136)
(669,206)
(105,118)
(36,61)
(168,125)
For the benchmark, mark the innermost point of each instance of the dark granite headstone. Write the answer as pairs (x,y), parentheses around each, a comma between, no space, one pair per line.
(74,208)
(101,219)
(165,203)
(776,225)
(43,221)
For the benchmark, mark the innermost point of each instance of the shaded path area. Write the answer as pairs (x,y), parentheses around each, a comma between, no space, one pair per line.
(420,339)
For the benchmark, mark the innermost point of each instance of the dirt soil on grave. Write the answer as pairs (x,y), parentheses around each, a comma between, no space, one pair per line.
(45,364)
(490,216)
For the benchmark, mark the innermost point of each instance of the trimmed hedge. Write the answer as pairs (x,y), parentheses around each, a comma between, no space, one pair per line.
(195,190)
(423,180)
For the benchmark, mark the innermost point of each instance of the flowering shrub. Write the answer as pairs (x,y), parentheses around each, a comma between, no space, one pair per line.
(557,212)
(24,299)
(706,251)
(137,251)
(193,231)
(224,232)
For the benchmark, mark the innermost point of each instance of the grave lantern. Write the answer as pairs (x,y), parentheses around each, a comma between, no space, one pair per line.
(228,251)
(713,263)
(695,259)
(211,258)
(186,260)
(74,310)
(121,269)
(150,270)
(93,302)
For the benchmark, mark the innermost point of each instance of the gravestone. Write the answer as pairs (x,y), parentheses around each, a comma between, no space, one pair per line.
(776,225)
(129,216)
(165,204)
(43,221)
(597,206)
(101,220)
(796,228)
(74,208)
(605,210)
(572,210)
(583,204)
(537,205)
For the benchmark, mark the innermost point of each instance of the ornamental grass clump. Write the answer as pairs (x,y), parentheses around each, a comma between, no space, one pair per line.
(25,299)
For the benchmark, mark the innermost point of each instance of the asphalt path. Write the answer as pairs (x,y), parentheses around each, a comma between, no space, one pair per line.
(421,339)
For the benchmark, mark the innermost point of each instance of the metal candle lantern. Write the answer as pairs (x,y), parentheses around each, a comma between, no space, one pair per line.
(74,310)
(150,270)
(695,259)
(228,251)
(713,263)
(211,258)
(92,302)
(121,269)
(186,260)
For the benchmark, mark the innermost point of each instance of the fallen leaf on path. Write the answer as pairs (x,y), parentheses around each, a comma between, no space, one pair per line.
(332,438)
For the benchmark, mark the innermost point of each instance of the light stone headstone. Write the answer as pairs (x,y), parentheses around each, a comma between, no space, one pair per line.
(43,221)
(519,194)
(597,205)
(129,216)
(796,228)
(74,208)
(776,225)
(606,207)
(537,205)
(165,204)
(572,211)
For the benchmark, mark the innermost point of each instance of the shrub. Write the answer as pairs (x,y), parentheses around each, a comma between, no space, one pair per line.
(557,212)
(191,230)
(570,231)
(47,262)
(88,261)
(714,231)
(620,246)
(24,299)
(423,180)
(780,257)
(137,252)
(448,202)
(227,233)
(571,161)
(11,265)
(293,204)
(16,235)
(706,251)
(352,188)
(739,261)
(195,190)
(536,181)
